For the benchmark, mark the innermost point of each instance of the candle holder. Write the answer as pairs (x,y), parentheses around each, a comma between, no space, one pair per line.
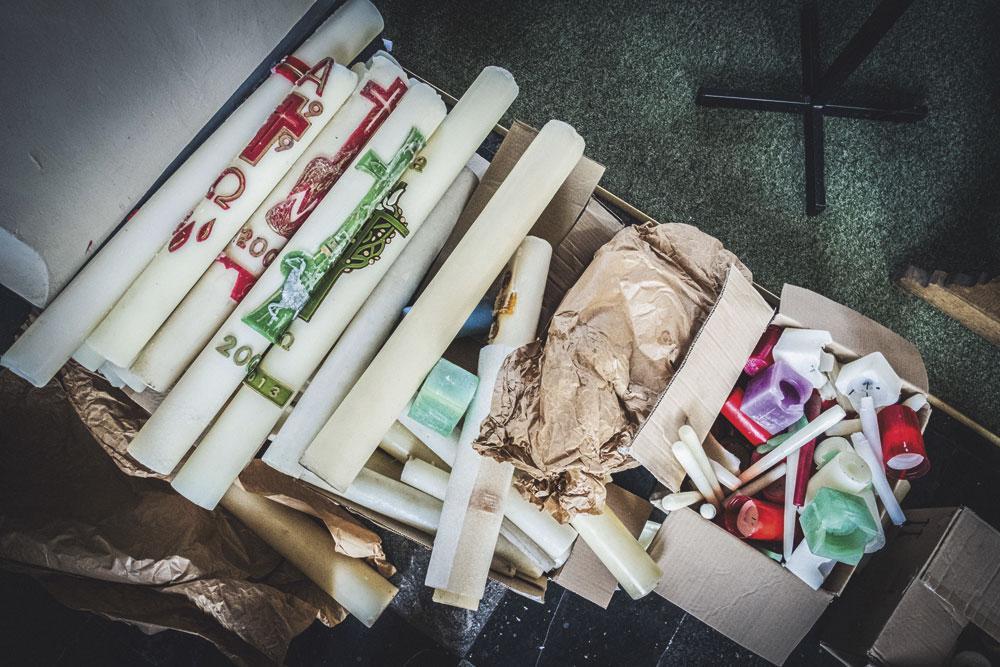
(902,442)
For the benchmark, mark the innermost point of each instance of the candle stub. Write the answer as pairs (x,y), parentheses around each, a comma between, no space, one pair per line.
(754,519)
(871,375)
(443,397)
(902,441)
(748,428)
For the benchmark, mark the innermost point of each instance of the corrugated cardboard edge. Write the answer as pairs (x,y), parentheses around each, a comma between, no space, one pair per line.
(583,573)
(732,587)
(705,378)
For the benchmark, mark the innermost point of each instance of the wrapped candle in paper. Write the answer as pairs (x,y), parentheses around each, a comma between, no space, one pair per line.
(902,441)
(748,428)
(64,325)
(838,525)
(231,199)
(775,398)
(345,442)
(802,349)
(762,355)
(871,375)
(365,335)
(443,397)
(343,289)
(230,277)
(752,519)
(285,289)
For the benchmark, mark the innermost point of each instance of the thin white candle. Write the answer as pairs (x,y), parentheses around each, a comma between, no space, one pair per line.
(690,464)
(232,198)
(346,442)
(690,438)
(676,501)
(258,404)
(232,274)
(726,478)
(621,553)
(284,289)
(762,482)
(794,442)
(708,511)
(791,511)
(365,335)
(65,324)
(362,591)
(879,480)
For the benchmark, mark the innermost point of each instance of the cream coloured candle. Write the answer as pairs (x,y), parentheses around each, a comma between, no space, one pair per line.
(829,448)
(345,442)
(879,480)
(233,273)
(844,428)
(88,358)
(362,591)
(690,464)
(762,482)
(283,290)
(790,510)
(794,442)
(478,487)
(444,446)
(846,472)
(400,443)
(676,501)
(64,325)
(690,438)
(708,511)
(621,553)
(258,404)
(726,478)
(365,335)
(809,567)
(234,195)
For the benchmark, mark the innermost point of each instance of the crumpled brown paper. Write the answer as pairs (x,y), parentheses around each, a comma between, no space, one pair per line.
(131,548)
(564,413)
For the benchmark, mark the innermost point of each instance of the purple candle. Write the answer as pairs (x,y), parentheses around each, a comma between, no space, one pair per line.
(776,396)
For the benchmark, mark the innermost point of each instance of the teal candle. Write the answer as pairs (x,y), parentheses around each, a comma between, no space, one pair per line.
(838,525)
(444,396)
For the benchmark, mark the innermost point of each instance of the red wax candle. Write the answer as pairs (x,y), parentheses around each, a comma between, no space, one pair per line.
(750,429)
(805,468)
(753,519)
(902,443)
(763,355)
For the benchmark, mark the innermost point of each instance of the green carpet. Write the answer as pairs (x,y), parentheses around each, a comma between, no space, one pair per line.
(625,75)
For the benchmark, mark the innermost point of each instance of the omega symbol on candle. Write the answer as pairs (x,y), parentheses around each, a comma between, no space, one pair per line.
(223,200)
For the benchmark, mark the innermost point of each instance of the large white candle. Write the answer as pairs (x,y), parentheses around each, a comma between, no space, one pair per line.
(285,287)
(400,443)
(258,404)
(233,273)
(345,442)
(234,195)
(621,553)
(794,442)
(362,591)
(367,332)
(846,472)
(64,325)
(479,487)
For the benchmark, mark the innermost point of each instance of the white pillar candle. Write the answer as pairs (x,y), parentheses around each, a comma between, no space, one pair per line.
(345,442)
(365,335)
(879,480)
(690,464)
(479,486)
(794,442)
(283,290)
(284,369)
(231,199)
(829,448)
(791,511)
(400,443)
(64,325)
(621,553)
(233,273)
(802,349)
(726,478)
(676,501)
(847,472)
(690,438)
(756,486)
(362,591)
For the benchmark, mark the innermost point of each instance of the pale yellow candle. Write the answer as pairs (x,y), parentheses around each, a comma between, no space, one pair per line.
(726,478)
(690,438)
(346,441)
(794,442)
(621,553)
(402,445)
(691,466)
(676,501)
(762,482)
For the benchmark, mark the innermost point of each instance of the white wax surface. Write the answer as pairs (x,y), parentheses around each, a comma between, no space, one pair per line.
(676,501)
(690,438)
(400,443)
(829,448)
(162,285)
(879,480)
(445,446)
(808,567)
(65,324)
(220,368)
(346,442)
(690,464)
(621,553)
(726,478)
(794,442)
(846,472)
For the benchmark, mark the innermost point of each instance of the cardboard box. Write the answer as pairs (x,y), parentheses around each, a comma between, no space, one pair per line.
(937,576)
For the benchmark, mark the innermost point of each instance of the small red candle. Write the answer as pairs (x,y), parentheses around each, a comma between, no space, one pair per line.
(804,471)
(763,355)
(750,429)
(902,443)
(753,519)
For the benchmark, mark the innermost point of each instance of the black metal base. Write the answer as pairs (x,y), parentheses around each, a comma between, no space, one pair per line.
(813,102)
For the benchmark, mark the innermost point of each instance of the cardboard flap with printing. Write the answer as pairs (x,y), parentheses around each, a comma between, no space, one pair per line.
(732,587)
(854,334)
(707,374)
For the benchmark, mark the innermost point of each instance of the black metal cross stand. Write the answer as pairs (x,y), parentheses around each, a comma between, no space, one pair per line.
(814,102)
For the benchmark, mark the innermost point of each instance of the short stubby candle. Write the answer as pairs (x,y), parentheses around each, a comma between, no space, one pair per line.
(753,519)
(776,397)
(444,396)
(902,442)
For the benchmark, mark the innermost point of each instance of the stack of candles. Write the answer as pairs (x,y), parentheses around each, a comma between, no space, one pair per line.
(804,477)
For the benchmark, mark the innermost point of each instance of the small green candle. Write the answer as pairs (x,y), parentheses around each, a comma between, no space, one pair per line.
(444,397)
(838,525)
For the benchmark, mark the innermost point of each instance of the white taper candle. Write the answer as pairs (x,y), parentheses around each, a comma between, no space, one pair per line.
(794,442)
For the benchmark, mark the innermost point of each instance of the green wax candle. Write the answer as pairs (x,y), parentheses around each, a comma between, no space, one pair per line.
(838,525)
(444,396)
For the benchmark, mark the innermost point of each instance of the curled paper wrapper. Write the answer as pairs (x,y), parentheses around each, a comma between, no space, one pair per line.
(187,569)
(564,413)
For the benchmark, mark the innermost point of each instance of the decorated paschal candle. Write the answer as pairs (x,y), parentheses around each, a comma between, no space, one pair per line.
(233,273)
(231,199)
(902,442)
(748,428)
(752,519)
(762,356)
(282,291)
(59,331)
(340,292)
(345,442)
(775,398)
